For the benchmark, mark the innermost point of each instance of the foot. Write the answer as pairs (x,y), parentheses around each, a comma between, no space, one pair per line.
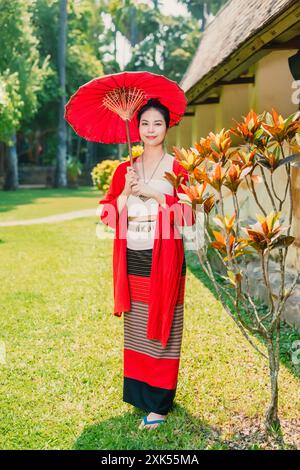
(152,416)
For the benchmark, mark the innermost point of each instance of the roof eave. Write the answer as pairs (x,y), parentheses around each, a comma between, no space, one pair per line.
(246,53)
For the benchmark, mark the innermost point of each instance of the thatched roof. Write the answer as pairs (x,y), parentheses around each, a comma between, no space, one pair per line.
(233,26)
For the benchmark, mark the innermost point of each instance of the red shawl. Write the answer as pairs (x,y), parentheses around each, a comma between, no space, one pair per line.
(167,256)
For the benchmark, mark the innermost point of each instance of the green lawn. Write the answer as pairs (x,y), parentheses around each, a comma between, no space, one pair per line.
(29,204)
(61,384)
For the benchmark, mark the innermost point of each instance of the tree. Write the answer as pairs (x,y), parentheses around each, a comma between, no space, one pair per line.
(203,9)
(61,165)
(168,50)
(83,62)
(21,77)
(135,21)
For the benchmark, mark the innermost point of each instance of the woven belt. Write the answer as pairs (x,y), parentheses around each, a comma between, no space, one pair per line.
(132,218)
(141,228)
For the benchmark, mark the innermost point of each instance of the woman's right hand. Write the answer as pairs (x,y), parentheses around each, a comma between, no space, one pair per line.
(131,177)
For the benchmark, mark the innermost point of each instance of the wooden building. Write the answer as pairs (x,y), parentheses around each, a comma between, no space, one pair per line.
(241,64)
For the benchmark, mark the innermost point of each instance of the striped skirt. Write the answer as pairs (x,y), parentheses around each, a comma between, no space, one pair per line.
(150,371)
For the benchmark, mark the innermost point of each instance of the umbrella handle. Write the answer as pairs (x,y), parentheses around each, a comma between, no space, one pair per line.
(129,142)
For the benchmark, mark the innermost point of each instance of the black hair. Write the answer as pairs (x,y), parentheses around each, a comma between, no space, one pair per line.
(155,103)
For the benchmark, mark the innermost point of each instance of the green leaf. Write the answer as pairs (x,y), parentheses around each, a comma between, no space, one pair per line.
(269,119)
(282,242)
(215,147)
(290,159)
(258,133)
(277,152)
(262,162)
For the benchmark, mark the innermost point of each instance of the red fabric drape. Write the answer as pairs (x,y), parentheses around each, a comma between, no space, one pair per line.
(167,256)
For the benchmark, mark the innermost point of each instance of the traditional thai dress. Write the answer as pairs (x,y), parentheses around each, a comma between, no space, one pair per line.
(154,286)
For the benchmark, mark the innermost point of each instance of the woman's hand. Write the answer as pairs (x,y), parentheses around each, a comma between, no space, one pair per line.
(130,178)
(139,188)
(135,186)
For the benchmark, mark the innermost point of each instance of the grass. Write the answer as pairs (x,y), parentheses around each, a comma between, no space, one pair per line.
(61,383)
(33,203)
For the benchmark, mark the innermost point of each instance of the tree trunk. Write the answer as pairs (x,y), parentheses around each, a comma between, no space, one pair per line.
(133,26)
(89,161)
(202,17)
(61,170)
(272,421)
(120,151)
(78,147)
(12,176)
(115,42)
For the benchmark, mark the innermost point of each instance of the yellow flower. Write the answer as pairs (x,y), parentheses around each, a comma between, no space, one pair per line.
(102,173)
(136,151)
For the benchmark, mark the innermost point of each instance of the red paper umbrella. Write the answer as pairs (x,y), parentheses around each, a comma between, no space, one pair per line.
(98,109)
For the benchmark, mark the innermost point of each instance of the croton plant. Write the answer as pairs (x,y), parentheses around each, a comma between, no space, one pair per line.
(266,143)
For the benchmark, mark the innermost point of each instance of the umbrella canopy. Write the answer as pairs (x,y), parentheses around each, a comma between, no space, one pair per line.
(98,109)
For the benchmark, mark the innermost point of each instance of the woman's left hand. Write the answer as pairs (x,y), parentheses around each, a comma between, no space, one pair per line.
(142,189)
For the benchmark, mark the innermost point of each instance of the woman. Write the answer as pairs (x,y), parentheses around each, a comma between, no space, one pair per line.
(149,267)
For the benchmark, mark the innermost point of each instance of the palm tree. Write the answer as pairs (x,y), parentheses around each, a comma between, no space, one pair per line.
(61,167)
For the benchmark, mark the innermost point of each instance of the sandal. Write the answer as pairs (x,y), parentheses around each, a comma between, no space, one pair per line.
(146,421)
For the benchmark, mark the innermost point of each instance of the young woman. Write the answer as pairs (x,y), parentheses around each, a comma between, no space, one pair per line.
(149,267)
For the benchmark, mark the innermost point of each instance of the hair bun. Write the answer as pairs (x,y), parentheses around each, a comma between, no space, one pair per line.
(153,100)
